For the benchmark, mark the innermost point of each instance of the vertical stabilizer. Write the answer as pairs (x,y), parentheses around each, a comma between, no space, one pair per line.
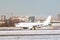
(47,21)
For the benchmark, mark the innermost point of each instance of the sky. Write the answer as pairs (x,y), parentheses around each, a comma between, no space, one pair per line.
(29,7)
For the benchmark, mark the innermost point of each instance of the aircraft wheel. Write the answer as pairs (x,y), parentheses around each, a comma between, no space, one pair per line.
(34,28)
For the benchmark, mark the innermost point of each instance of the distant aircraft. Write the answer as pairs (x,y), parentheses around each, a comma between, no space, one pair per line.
(31,25)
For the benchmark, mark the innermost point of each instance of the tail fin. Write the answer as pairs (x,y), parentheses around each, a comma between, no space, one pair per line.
(47,21)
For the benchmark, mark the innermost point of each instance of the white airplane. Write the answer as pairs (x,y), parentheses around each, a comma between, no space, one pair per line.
(30,25)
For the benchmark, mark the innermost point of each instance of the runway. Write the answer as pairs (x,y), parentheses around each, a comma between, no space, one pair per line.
(29,32)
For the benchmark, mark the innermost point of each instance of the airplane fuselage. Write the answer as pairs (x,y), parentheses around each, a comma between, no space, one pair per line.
(28,24)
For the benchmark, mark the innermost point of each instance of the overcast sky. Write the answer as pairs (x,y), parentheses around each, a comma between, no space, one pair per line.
(29,7)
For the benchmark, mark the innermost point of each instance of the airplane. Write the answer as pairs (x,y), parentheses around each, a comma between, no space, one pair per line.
(31,25)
